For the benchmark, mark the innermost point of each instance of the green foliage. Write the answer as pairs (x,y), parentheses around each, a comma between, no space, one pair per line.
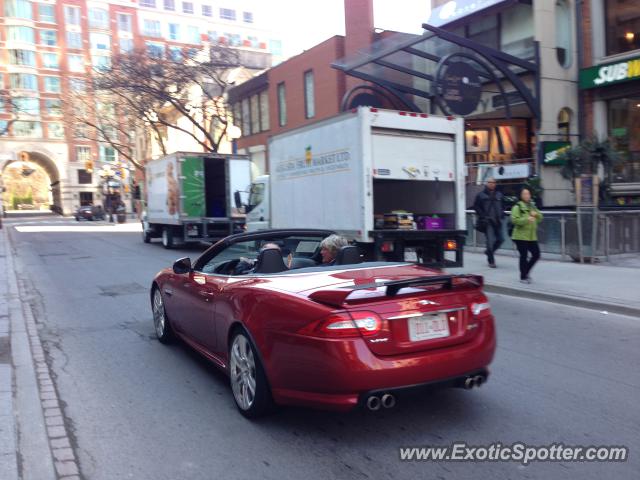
(584,159)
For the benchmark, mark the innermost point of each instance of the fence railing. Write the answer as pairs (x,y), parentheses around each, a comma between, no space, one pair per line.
(617,232)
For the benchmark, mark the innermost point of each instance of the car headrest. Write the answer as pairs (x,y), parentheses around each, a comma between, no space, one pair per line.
(270,261)
(348,255)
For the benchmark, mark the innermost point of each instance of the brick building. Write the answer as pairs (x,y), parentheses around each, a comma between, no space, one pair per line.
(49,48)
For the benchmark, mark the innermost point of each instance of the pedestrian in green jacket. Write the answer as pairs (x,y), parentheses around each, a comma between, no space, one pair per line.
(526,217)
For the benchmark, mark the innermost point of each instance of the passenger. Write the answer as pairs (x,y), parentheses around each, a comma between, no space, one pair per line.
(329,248)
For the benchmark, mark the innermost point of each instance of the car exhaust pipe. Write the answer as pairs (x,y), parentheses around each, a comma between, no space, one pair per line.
(373,403)
(469,383)
(479,380)
(388,400)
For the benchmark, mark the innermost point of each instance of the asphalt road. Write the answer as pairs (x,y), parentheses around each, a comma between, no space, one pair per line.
(141,410)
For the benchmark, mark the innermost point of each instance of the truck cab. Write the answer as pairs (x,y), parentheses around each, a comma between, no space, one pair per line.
(258,207)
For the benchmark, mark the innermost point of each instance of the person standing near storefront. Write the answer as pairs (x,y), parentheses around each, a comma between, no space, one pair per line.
(490,209)
(526,217)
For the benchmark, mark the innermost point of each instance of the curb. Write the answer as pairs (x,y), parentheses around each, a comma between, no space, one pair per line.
(564,300)
(44,445)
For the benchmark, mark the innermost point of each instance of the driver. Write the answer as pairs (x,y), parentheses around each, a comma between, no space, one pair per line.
(247,265)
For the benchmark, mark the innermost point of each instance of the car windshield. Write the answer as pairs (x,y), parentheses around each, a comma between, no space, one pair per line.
(298,251)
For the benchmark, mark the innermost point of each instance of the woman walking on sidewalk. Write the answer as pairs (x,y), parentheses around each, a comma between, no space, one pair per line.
(526,217)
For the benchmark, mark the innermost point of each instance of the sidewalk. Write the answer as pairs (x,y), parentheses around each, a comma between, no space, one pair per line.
(601,287)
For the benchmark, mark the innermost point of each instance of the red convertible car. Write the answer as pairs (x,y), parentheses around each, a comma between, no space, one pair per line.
(291,331)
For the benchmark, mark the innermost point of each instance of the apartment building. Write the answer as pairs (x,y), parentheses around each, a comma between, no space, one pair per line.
(49,48)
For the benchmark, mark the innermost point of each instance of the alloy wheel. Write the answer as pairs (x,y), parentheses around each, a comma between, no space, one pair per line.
(159,318)
(243,372)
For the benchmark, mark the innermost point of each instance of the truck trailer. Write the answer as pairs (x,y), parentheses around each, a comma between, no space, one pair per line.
(391,181)
(190,197)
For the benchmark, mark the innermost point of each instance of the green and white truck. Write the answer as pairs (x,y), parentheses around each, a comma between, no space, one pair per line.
(190,197)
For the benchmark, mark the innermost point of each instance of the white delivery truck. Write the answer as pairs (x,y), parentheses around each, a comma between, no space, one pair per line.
(190,197)
(391,181)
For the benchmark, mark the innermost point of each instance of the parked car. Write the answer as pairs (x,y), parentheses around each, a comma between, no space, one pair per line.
(290,331)
(89,212)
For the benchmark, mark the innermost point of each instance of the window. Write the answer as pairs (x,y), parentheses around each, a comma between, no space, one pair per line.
(124,22)
(49,37)
(107,154)
(155,50)
(83,154)
(100,41)
(27,129)
(52,84)
(237,115)
(84,177)
(309,95)
(76,63)
(213,37)
(246,117)
(623,26)
(72,15)
(151,28)
(516,31)
(247,17)
(77,85)
(98,18)
(55,130)
(23,81)
(234,39)
(255,114)
(22,57)
(50,60)
(207,11)
(170,5)
(20,34)
(275,47)
(18,9)
(74,40)
(227,14)
(175,53)
(282,105)
(126,45)
(485,31)
(564,124)
(47,13)
(101,63)
(53,107)
(187,7)
(148,3)
(253,42)
(193,34)
(27,105)
(563,33)
(174,31)
(80,130)
(264,111)
(623,121)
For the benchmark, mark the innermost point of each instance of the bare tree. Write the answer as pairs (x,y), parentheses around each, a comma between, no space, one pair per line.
(159,90)
(9,104)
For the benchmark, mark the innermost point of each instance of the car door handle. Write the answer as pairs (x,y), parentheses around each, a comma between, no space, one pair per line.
(207,294)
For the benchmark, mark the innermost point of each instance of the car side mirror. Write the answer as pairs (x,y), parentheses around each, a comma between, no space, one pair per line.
(237,199)
(182,266)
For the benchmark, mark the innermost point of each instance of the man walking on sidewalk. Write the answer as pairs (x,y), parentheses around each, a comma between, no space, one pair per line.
(490,209)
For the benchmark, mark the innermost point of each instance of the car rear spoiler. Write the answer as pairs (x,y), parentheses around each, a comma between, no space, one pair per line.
(337,297)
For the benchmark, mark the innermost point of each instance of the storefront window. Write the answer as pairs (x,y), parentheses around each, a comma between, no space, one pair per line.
(623,26)
(624,129)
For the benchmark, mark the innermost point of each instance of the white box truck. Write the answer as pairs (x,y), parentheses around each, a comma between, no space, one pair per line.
(190,197)
(352,172)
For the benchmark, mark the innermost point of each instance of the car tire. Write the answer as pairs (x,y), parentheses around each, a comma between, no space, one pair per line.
(246,373)
(167,238)
(146,236)
(161,323)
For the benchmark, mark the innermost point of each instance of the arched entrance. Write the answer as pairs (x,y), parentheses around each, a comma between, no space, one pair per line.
(34,172)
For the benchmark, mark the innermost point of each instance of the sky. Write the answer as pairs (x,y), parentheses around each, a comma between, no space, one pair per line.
(305,23)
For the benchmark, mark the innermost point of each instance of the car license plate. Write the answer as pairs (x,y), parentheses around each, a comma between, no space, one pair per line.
(428,327)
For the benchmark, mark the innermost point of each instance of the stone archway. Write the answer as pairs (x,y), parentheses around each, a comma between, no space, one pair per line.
(48,165)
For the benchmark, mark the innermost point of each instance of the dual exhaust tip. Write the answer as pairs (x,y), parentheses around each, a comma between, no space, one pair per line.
(375,403)
(476,381)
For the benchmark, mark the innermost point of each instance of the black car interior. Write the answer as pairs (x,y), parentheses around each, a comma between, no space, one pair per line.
(348,256)
(270,261)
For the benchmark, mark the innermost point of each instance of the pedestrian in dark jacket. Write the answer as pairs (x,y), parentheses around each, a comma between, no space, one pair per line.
(526,217)
(490,210)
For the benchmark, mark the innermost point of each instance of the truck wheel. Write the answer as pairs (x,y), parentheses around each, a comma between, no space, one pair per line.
(146,236)
(167,237)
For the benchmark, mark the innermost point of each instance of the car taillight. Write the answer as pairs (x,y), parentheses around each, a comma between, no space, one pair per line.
(477,308)
(340,325)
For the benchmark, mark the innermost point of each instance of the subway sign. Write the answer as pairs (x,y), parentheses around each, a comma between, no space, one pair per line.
(610,74)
